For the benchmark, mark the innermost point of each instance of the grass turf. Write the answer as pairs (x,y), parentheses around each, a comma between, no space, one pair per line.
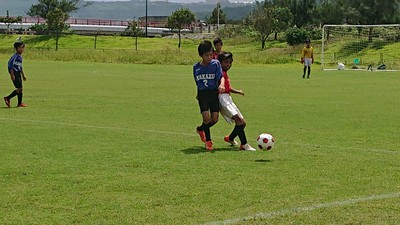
(115,144)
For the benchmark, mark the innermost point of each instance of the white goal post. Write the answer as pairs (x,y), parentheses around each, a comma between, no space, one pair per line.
(361,47)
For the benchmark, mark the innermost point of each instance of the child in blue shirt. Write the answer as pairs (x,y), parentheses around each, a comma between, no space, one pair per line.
(16,73)
(209,80)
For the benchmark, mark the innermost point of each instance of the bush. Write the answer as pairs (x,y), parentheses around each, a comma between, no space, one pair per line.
(230,31)
(295,36)
(39,27)
(315,33)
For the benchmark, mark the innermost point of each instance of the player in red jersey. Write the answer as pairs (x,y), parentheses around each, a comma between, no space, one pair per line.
(228,108)
(217,48)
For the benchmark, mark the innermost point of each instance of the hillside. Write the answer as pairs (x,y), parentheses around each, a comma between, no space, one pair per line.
(132,9)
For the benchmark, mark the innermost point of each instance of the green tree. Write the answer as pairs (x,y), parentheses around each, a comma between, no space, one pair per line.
(262,22)
(371,12)
(56,13)
(303,11)
(44,7)
(134,30)
(281,19)
(216,17)
(179,19)
(330,12)
(56,23)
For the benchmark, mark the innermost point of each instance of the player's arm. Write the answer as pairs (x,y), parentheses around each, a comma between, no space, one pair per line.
(11,71)
(235,91)
(218,74)
(302,56)
(23,74)
(221,87)
(312,56)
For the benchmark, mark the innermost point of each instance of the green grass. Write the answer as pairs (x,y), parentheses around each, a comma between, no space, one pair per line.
(115,144)
(117,49)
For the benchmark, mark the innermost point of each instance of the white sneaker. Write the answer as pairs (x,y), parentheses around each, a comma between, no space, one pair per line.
(247,147)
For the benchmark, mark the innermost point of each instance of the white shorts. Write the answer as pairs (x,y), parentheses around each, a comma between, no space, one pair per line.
(228,109)
(307,61)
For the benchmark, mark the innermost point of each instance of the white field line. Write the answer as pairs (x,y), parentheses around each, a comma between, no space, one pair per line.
(307,208)
(183,134)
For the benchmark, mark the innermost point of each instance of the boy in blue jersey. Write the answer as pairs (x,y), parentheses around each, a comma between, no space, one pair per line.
(210,82)
(16,73)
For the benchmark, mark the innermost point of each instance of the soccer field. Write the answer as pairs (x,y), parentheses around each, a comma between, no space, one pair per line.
(116,144)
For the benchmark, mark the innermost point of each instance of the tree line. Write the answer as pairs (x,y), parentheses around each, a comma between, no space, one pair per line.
(268,17)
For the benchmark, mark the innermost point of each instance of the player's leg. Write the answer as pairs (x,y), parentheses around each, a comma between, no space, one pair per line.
(213,119)
(202,98)
(304,71)
(309,72)
(18,87)
(205,126)
(20,94)
(231,113)
(214,113)
(9,97)
(240,125)
(201,129)
(239,122)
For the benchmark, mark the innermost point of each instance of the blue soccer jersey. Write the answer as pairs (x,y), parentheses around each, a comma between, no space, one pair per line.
(207,77)
(15,63)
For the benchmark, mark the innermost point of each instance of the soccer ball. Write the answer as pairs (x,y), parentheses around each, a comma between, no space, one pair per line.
(341,66)
(265,141)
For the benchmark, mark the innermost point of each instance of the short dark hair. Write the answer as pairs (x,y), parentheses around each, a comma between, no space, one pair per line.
(225,55)
(204,46)
(308,40)
(217,40)
(17,44)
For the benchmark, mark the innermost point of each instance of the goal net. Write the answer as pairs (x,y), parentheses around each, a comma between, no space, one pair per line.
(361,47)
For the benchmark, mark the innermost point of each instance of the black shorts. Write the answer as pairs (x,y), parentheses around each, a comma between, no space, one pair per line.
(18,81)
(208,100)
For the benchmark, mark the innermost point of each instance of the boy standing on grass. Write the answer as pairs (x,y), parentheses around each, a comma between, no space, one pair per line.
(307,58)
(210,82)
(218,48)
(16,73)
(229,110)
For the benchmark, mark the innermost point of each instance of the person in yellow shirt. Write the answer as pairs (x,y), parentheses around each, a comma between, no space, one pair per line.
(307,58)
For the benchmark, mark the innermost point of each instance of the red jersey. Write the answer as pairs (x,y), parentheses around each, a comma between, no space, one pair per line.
(228,87)
(215,55)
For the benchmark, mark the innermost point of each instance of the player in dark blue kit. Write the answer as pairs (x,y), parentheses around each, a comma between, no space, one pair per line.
(16,74)
(210,82)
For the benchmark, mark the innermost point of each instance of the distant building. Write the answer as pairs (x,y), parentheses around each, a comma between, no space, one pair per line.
(154,21)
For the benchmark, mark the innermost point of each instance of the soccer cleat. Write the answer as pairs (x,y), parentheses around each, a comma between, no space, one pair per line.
(209,145)
(22,105)
(233,143)
(202,135)
(247,147)
(7,101)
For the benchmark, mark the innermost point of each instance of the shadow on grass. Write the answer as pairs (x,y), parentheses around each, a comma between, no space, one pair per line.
(39,38)
(198,150)
(263,160)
